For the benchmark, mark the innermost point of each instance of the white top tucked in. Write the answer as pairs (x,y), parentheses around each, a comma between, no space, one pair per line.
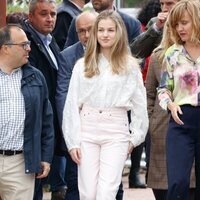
(106,90)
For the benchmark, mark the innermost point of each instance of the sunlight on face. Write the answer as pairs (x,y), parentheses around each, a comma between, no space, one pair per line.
(184,27)
(106,33)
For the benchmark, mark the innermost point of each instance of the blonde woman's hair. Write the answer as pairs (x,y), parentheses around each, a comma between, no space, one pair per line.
(119,51)
(166,41)
(176,14)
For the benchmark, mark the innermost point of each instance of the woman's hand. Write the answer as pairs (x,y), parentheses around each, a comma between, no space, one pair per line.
(175,109)
(130,149)
(75,154)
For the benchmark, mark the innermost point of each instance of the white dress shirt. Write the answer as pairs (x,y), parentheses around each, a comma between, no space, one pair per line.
(106,90)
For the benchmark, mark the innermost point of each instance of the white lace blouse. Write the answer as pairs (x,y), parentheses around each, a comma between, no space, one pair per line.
(106,90)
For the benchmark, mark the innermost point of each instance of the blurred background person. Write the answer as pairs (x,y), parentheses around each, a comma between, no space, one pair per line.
(145,43)
(66,11)
(16,17)
(133,26)
(45,56)
(149,10)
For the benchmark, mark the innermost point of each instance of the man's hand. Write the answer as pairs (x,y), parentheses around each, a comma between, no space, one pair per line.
(45,170)
(161,19)
(75,154)
(175,109)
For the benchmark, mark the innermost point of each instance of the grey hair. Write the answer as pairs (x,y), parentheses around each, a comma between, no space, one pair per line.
(33,3)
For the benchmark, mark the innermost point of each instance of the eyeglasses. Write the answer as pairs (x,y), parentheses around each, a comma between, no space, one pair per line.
(83,31)
(24,45)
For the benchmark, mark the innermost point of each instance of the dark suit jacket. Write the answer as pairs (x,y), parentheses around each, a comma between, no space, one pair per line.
(65,13)
(40,59)
(133,28)
(145,43)
(70,55)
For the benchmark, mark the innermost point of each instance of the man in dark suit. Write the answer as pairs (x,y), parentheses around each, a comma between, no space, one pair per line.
(133,26)
(84,23)
(45,56)
(66,11)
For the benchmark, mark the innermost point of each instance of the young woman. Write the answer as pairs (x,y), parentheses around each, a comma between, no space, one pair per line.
(179,93)
(105,84)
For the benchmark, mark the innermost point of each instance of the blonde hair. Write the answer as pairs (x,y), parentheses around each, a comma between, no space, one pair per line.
(119,51)
(166,41)
(177,12)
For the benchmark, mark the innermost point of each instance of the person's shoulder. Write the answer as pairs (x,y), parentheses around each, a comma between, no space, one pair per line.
(71,48)
(26,26)
(73,52)
(69,8)
(127,17)
(79,66)
(133,63)
(132,24)
(29,70)
(80,62)
(175,48)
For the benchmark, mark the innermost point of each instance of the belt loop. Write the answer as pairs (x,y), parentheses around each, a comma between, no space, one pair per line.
(3,152)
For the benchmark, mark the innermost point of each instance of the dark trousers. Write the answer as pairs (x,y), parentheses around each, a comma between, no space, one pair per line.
(135,163)
(56,177)
(72,181)
(160,194)
(183,146)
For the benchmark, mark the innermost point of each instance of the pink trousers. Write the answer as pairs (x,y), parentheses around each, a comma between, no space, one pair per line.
(104,145)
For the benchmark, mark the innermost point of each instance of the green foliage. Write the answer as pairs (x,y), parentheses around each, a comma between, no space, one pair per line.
(133,3)
(16,8)
(10,8)
(19,6)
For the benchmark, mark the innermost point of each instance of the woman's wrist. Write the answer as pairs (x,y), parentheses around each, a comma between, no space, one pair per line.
(169,104)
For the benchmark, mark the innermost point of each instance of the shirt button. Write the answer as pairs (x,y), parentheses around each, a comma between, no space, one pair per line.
(100,111)
(27,170)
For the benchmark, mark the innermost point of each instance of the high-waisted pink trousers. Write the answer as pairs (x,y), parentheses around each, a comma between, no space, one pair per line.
(104,145)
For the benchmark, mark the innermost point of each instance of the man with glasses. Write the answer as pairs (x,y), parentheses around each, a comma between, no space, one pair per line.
(45,56)
(27,136)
